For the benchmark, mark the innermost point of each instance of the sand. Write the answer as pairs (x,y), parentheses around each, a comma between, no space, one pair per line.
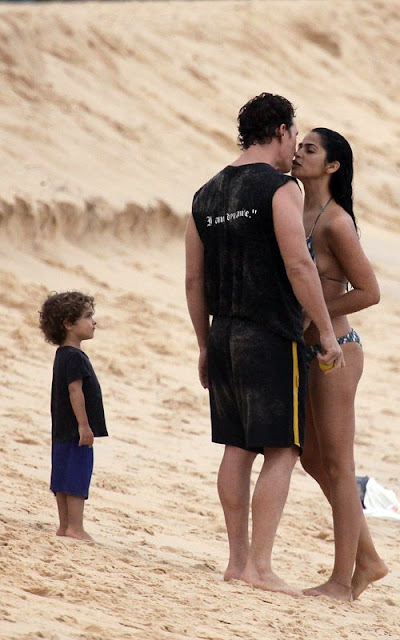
(111,116)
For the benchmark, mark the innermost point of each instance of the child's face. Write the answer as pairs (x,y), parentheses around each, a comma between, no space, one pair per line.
(83,328)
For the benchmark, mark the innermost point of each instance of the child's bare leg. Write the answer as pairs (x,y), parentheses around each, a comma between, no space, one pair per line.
(62,506)
(76,505)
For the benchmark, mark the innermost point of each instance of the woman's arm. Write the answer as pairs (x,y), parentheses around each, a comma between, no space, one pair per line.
(344,244)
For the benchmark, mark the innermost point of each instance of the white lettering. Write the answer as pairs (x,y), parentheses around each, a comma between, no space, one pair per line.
(227,217)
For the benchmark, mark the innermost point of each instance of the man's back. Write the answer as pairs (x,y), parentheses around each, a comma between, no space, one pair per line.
(245,276)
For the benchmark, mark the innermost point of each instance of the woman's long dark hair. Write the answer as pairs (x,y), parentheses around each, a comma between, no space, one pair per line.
(341,184)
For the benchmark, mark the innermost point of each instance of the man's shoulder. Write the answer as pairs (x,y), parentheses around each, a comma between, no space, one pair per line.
(214,181)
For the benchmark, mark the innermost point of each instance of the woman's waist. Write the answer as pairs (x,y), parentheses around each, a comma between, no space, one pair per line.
(341,326)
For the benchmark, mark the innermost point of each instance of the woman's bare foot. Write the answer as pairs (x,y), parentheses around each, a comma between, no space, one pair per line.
(364,576)
(78,534)
(269,581)
(331,589)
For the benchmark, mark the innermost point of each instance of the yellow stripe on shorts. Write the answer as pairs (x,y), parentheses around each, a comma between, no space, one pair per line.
(295,394)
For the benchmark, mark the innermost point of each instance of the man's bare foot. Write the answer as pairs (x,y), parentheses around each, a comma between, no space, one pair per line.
(331,589)
(61,531)
(233,573)
(269,581)
(364,576)
(79,535)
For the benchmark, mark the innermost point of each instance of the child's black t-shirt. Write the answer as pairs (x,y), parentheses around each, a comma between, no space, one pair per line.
(72,364)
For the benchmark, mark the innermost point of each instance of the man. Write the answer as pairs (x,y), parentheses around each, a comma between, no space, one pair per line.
(248,266)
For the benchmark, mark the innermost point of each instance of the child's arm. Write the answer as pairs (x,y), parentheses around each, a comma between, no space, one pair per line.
(78,405)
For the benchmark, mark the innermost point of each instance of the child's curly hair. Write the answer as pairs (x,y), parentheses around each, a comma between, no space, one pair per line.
(60,308)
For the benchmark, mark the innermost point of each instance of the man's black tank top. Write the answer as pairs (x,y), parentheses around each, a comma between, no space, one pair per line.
(245,275)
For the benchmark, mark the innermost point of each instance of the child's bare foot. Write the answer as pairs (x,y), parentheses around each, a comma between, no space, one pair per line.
(364,576)
(78,534)
(269,581)
(331,589)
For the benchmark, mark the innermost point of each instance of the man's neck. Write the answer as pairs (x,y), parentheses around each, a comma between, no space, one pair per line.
(266,153)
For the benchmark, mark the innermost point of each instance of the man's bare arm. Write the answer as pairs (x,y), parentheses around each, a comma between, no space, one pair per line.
(301,271)
(195,295)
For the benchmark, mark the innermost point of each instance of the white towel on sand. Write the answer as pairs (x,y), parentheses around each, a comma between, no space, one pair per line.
(380,502)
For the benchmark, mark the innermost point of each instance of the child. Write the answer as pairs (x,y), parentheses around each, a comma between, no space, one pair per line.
(76,406)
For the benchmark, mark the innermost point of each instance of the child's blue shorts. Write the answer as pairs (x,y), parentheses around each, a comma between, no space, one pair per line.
(72,468)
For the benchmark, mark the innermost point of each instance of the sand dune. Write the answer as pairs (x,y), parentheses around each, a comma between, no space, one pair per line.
(112,115)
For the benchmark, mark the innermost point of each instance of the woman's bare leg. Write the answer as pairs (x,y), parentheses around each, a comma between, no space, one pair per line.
(335,432)
(369,566)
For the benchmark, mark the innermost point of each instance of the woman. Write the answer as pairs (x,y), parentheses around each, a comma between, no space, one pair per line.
(324,164)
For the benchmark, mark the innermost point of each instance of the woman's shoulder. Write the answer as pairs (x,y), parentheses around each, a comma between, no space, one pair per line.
(338,222)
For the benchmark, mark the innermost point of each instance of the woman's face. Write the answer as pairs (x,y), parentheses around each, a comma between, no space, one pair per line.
(310,158)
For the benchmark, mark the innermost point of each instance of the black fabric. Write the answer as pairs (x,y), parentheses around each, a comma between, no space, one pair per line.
(251,386)
(72,364)
(245,276)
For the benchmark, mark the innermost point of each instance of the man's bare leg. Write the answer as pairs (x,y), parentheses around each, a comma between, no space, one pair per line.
(75,528)
(62,506)
(269,498)
(234,493)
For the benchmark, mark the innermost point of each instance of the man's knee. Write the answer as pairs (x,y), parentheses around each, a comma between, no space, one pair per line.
(285,456)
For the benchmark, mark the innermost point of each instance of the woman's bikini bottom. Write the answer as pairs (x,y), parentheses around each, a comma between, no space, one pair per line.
(311,351)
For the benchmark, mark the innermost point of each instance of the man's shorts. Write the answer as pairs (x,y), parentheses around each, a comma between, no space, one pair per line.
(257,385)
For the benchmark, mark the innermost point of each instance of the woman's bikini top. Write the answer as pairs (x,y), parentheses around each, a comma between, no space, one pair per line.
(311,247)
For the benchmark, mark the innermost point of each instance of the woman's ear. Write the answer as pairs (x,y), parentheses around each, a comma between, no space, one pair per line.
(332,167)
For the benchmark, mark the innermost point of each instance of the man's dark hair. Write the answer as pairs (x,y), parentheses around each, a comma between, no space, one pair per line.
(259,119)
(60,308)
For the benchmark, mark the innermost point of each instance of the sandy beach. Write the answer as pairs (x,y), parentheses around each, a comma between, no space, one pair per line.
(111,116)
